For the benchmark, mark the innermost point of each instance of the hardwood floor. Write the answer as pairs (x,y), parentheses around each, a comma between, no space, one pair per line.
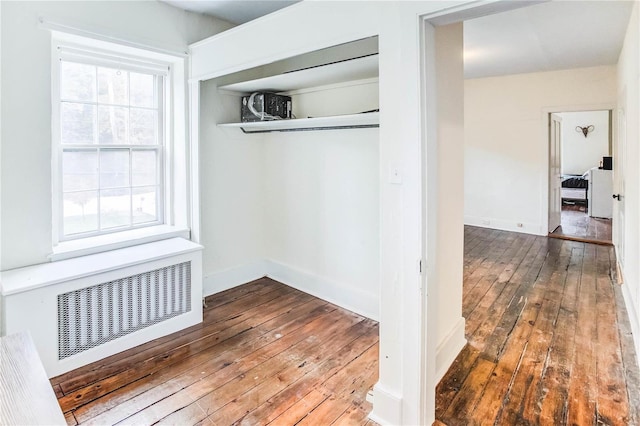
(549,338)
(577,224)
(265,354)
(549,344)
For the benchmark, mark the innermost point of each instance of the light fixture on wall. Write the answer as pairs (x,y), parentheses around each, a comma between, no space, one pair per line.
(585,130)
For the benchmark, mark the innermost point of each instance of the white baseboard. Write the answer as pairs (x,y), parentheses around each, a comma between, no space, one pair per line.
(355,300)
(233,277)
(633,316)
(387,407)
(503,225)
(449,348)
(360,302)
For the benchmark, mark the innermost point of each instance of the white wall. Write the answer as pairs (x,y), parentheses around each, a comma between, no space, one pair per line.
(322,214)
(26,101)
(579,154)
(322,202)
(450,231)
(629,102)
(506,141)
(232,195)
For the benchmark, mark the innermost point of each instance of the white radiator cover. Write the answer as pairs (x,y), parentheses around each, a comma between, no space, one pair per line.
(84,309)
(92,316)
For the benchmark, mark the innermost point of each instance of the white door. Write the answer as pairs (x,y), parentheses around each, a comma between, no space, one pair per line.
(619,159)
(555,182)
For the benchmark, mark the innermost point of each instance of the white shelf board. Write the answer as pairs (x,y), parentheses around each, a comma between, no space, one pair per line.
(338,72)
(369,119)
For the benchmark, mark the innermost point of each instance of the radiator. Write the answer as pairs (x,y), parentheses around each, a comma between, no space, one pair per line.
(92,316)
(84,309)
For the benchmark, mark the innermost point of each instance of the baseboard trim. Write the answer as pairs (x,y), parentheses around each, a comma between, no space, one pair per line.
(449,348)
(387,407)
(360,302)
(633,317)
(503,225)
(233,277)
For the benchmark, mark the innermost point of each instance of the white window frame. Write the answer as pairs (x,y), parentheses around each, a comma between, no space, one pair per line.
(162,84)
(175,170)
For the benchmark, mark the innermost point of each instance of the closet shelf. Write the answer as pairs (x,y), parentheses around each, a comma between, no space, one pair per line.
(350,121)
(337,72)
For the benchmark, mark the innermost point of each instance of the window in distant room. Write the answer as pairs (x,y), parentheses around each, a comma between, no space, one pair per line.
(110,117)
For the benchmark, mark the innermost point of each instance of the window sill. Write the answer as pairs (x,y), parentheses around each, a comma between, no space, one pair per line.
(102,243)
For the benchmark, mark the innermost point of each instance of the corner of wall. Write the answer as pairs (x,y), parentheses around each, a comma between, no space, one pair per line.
(449,348)
(362,303)
(233,277)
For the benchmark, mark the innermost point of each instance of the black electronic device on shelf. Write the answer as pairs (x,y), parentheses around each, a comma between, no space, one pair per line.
(265,106)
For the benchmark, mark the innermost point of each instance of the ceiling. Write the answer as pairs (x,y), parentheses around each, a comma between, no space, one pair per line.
(234,11)
(546,36)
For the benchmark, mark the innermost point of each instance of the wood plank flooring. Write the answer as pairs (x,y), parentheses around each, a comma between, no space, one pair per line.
(577,224)
(549,340)
(549,344)
(265,354)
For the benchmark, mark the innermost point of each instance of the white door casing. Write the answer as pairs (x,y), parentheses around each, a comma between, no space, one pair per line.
(555,182)
(619,160)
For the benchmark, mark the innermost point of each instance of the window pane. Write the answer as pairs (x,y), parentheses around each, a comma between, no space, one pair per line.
(144,168)
(142,90)
(113,86)
(143,126)
(80,212)
(145,205)
(114,168)
(77,123)
(77,82)
(115,208)
(79,170)
(112,124)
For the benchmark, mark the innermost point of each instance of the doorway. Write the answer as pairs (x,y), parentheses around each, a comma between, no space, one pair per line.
(581,176)
(504,162)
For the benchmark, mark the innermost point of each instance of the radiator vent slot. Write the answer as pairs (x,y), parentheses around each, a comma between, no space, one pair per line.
(92,316)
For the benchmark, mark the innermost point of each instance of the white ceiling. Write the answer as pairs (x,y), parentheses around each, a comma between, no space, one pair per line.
(547,36)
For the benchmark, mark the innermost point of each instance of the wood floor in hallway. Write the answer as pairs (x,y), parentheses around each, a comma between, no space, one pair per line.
(549,340)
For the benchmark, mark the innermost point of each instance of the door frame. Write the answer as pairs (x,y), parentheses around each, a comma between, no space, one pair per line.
(618,152)
(429,197)
(546,114)
(554,180)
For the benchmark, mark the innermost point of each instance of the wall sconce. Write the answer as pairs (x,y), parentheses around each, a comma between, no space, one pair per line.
(585,130)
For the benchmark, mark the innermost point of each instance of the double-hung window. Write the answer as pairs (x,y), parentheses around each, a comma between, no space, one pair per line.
(110,126)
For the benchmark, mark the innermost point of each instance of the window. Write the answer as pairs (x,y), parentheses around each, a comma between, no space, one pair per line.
(123,170)
(110,120)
